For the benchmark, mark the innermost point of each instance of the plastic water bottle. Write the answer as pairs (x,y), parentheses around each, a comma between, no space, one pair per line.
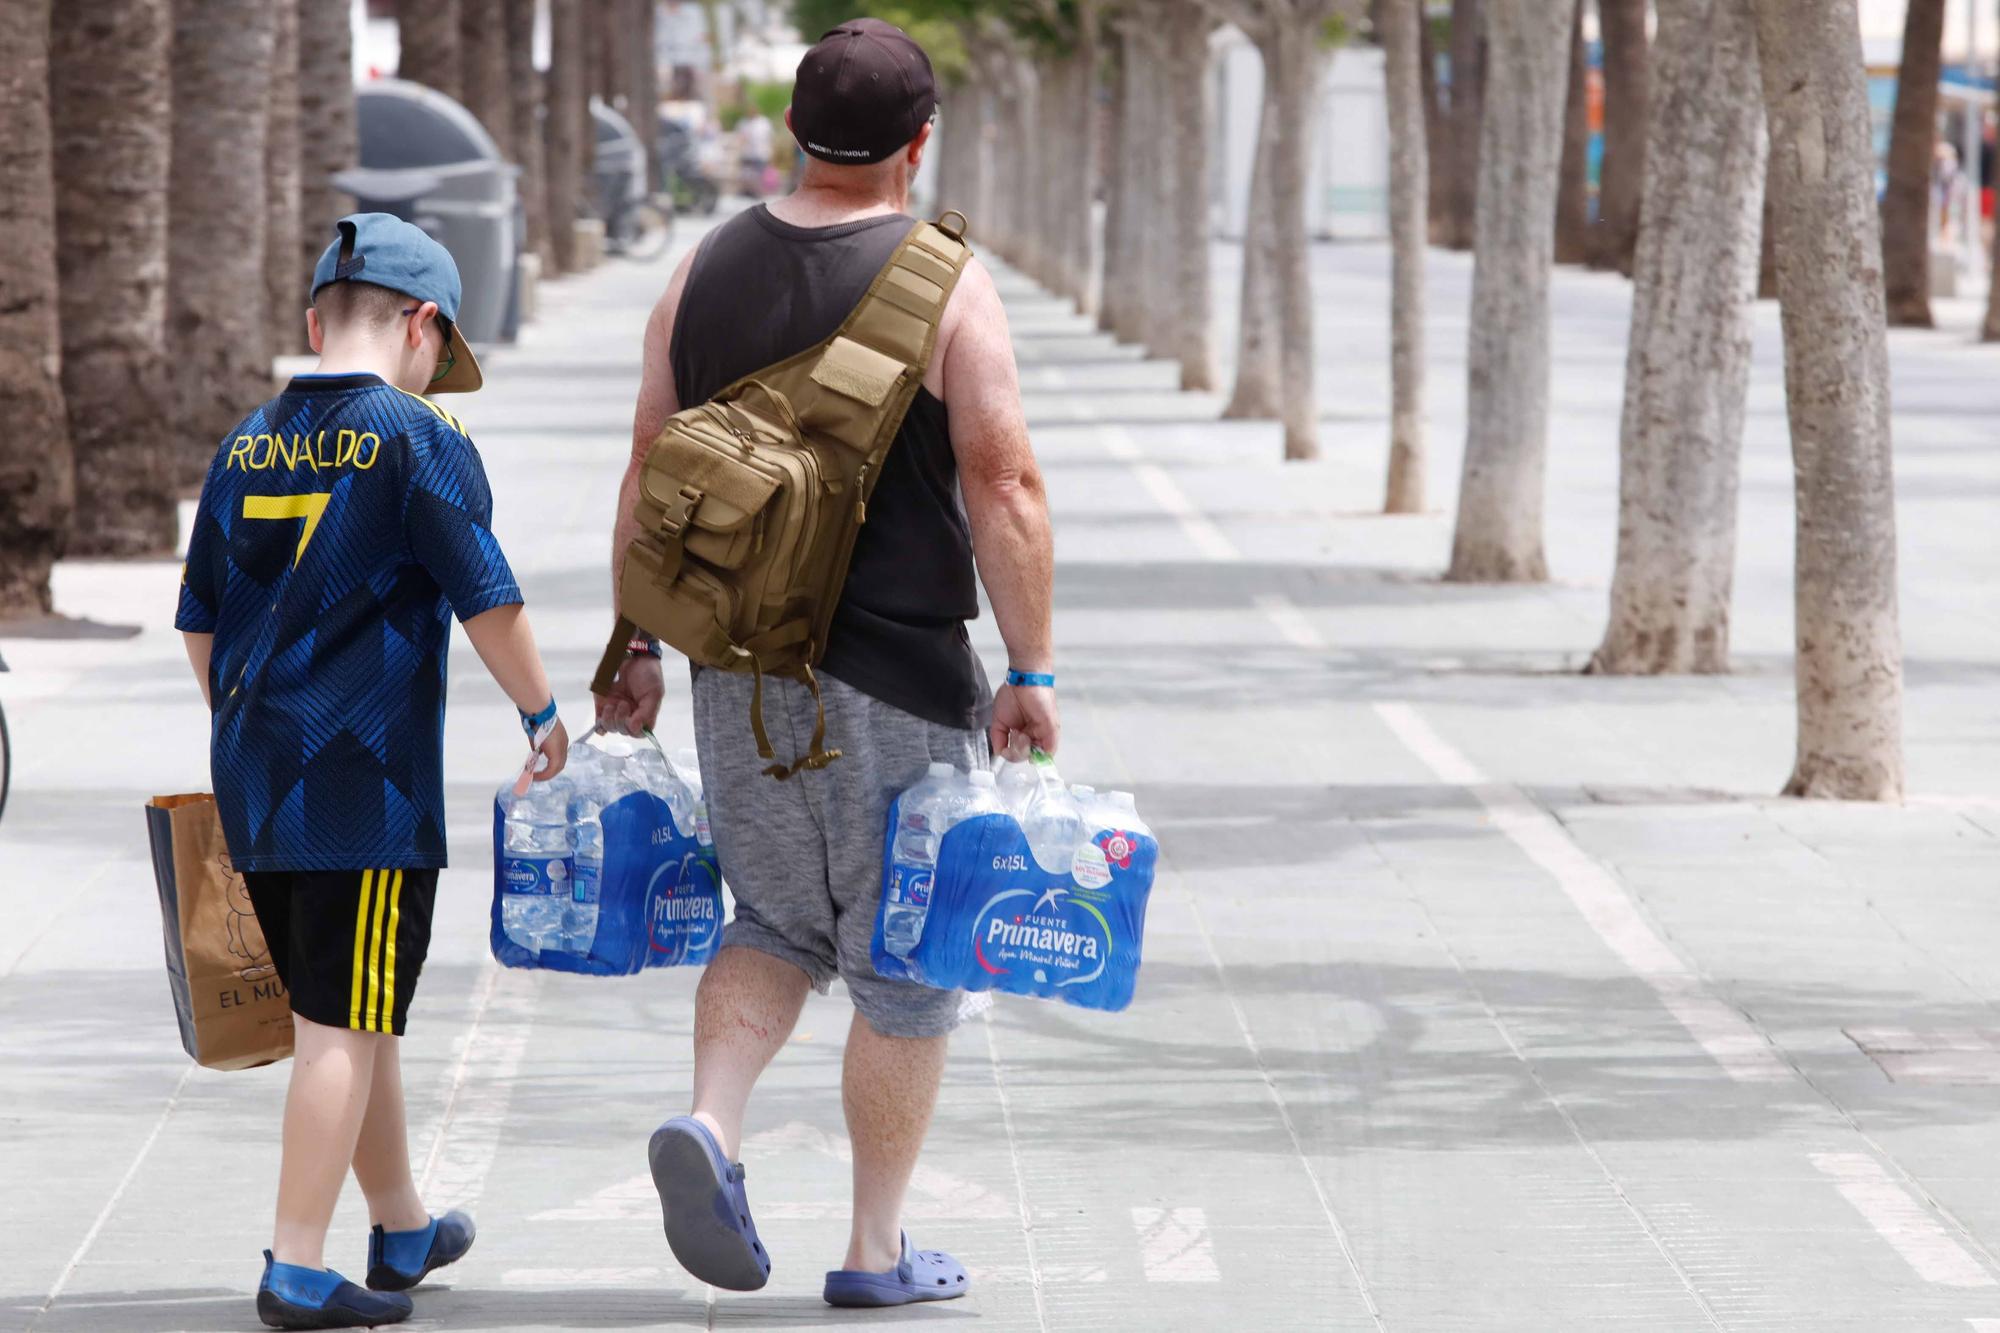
(1017,781)
(586,831)
(1053,824)
(535,876)
(922,814)
(980,796)
(688,765)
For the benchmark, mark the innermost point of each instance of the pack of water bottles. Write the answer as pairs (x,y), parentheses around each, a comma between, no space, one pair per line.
(608,868)
(1013,881)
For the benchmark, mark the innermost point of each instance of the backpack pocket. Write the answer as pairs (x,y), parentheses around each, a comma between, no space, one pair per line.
(692,610)
(706,497)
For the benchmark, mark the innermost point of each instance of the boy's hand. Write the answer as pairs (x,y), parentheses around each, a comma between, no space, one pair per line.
(548,752)
(633,705)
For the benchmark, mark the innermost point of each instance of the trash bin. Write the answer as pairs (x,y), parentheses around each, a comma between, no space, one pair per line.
(618,168)
(428,160)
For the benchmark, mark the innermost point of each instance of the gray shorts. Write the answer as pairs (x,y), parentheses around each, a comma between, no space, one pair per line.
(803,858)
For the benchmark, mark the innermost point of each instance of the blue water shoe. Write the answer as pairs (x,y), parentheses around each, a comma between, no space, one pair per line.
(295,1297)
(399,1260)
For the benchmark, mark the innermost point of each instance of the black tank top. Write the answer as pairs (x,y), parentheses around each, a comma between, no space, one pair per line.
(761,290)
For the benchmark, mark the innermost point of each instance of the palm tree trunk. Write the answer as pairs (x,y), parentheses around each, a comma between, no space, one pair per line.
(1298,67)
(1258,339)
(1850,657)
(1688,362)
(643,85)
(1437,134)
(568,126)
(427,35)
(482,67)
(1409,173)
(218,339)
(1114,288)
(1498,538)
(1087,156)
(285,284)
(108,100)
(1468,96)
(1189,103)
(1906,205)
(524,95)
(37,483)
(326,103)
(1624,171)
(1573,189)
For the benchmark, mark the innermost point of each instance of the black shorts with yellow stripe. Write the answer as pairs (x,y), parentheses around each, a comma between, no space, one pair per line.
(348,944)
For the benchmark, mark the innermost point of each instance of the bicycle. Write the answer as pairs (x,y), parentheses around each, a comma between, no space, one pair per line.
(637,230)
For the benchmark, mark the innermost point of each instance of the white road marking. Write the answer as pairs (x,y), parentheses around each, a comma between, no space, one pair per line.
(124,1183)
(1200,529)
(1174,1245)
(1291,622)
(1901,1220)
(468,1133)
(1984,1325)
(1020,1178)
(1602,901)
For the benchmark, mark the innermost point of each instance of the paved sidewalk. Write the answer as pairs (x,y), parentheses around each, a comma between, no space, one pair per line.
(1477,995)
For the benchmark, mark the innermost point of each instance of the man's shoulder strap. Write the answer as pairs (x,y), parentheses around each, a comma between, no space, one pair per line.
(900,315)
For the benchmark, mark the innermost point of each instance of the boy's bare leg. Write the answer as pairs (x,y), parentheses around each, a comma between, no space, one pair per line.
(888,1088)
(744,1011)
(382,1152)
(333,1070)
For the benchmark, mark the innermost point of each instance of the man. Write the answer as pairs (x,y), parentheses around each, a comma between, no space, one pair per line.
(342,525)
(902,686)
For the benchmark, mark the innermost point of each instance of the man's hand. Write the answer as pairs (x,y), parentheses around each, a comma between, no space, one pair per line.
(548,753)
(1026,712)
(633,705)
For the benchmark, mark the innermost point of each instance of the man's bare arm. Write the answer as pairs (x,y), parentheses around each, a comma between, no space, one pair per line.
(634,702)
(1005,500)
(658,400)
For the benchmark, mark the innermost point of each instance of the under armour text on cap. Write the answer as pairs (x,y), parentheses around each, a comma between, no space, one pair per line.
(382,249)
(862,93)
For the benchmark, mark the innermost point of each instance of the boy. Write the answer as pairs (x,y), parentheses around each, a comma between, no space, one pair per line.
(341,524)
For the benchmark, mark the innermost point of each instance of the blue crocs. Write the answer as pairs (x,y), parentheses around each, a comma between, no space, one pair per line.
(706,1211)
(295,1297)
(920,1275)
(399,1260)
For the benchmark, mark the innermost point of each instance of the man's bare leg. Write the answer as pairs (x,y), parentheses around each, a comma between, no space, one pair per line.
(333,1070)
(744,1012)
(382,1151)
(888,1088)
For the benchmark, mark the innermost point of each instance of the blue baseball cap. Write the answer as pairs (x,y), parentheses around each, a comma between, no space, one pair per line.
(382,249)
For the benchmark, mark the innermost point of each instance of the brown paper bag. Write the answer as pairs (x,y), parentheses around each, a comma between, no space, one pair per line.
(233,1010)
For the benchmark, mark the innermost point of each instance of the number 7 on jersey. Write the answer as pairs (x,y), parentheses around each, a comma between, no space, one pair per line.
(308,507)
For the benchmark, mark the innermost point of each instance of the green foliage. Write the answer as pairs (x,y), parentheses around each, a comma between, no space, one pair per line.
(934,24)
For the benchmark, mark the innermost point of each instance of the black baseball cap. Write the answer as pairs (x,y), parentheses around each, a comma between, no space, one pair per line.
(862,93)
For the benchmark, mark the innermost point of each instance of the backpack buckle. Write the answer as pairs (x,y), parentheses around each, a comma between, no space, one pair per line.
(679,511)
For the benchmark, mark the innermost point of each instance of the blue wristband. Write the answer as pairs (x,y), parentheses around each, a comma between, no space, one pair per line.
(1041,679)
(533,722)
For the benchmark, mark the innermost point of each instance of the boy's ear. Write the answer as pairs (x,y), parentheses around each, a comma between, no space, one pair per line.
(413,330)
(315,335)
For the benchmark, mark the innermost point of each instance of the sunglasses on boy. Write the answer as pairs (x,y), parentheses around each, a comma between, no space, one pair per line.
(450,358)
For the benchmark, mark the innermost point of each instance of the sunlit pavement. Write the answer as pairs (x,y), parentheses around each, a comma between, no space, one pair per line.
(1477,994)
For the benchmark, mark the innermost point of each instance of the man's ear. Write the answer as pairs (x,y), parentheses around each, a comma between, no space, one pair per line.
(788,118)
(315,335)
(915,152)
(413,331)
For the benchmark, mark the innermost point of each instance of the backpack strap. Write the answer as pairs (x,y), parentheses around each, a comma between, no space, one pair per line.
(880,352)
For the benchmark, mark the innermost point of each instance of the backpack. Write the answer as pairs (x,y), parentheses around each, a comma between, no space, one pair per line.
(750,504)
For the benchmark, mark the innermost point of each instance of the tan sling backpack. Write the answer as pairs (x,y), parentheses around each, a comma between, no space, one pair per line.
(749,505)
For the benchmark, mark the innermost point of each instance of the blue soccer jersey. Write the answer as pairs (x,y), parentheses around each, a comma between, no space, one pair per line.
(341,525)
